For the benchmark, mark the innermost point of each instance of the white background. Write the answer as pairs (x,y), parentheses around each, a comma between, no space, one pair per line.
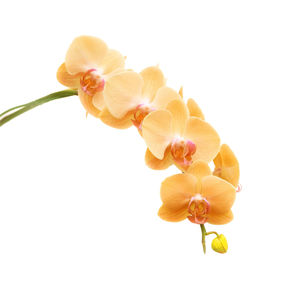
(77,203)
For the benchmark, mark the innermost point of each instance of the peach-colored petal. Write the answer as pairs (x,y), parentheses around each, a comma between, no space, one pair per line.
(180,115)
(205,137)
(122,93)
(172,215)
(87,102)
(164,96)
(227,165)
(194,109)
(177,190)
(153,80)
(181,92)
(85,53)
(98,100)
(219,193)
(156,164)
(112,121)
(112,61)
(157,132)
(182,168)
(220,219)
(67,79)
(199,169)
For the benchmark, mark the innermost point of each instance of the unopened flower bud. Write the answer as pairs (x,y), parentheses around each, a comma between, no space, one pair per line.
(219,244)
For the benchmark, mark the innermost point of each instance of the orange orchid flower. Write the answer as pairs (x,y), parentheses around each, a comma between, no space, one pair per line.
(129,97)
(227,166)
(197,195)
(167,161)
(173,136)
(89,63)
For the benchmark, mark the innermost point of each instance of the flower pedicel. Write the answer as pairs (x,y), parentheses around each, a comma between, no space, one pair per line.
(175,132)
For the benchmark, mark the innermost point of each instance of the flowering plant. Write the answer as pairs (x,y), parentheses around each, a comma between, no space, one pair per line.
(174,131)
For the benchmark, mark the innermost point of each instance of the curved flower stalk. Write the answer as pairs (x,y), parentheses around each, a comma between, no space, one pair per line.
(173,136)
(175,132)
(89,64)
(14,112)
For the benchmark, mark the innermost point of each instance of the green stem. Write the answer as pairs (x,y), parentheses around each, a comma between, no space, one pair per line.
(11,109)
(212,232)
(203,237)
(26,107)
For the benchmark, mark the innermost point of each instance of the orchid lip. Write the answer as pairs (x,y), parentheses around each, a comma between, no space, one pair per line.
(198,208)
(91,82)
(140,112)
(182,151)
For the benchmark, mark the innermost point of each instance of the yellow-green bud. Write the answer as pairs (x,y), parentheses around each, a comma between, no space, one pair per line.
(219,244)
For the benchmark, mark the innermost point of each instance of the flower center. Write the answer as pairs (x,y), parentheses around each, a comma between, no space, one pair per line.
(91,82)
(198,209)
(217,172)
(140,112)
(182,151)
